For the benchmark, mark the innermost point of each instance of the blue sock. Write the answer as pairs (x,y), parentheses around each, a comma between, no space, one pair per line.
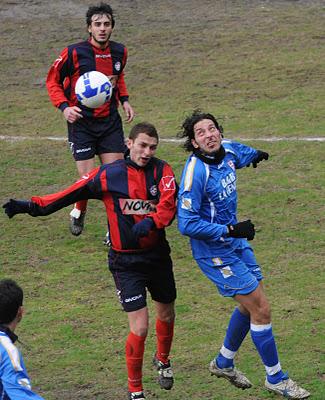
(264,341)
(237,330)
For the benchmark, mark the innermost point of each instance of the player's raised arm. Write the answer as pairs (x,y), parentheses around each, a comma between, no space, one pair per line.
(88,187)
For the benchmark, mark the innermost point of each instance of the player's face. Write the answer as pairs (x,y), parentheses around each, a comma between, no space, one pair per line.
(207,138)
(142,148)
(100,29)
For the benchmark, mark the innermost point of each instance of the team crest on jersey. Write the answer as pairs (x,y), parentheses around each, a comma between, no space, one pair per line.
(117,66)
(136,206)
(153,190)
(186,203)
(231,165)
(168,183)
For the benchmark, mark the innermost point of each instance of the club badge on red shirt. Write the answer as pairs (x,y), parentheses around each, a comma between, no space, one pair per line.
(168,183)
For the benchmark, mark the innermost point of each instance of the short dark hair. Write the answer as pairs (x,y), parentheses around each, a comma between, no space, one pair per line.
(143,127)
(11,298)
(187,131)
(102,9)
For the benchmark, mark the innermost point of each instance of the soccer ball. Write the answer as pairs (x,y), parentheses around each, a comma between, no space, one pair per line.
(93,89)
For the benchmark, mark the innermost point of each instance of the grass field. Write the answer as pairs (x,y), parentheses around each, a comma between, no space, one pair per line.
(258,65)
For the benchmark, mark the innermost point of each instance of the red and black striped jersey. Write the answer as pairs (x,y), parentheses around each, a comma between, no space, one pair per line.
(130,193)
(82,57)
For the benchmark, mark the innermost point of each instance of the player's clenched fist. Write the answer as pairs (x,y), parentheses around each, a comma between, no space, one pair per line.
(244,229)
(13,207)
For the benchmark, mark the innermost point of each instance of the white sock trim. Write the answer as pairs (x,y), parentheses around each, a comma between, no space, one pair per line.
(227,353)
(260,328)
(273,370)
(75,213)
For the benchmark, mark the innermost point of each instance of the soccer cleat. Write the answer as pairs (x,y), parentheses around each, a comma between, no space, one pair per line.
(233,375)
(288,389)
(165,373)
(77,222)
(136,396)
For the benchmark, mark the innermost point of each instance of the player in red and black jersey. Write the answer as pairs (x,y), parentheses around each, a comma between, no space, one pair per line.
(139,193)
(91,131)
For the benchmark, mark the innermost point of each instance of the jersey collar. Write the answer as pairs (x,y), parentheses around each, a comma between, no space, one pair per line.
(13,337)
(216,158)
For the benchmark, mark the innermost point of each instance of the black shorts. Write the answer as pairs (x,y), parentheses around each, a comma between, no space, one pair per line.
(134,273)
(91,136)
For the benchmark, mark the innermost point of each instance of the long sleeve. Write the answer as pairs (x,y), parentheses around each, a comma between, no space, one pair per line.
(190,200)
(166,207)
(56,79)
(88,187)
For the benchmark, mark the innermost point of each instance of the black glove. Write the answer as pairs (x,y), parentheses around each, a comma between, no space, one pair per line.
(244,229)
(143,227)
(14,207)
(261,155)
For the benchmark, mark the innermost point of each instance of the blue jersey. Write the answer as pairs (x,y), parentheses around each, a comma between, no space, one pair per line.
(14,380)
(207,201)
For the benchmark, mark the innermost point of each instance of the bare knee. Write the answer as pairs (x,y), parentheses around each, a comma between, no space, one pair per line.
(262,314)
(165,312)
(140,330)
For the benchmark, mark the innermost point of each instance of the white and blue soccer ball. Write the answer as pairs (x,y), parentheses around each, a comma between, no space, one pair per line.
(93,89)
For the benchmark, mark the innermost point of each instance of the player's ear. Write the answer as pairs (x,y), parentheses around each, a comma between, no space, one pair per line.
(20,313)
(129,143)
(194,144)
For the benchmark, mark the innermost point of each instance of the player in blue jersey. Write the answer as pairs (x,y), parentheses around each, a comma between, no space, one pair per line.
(207,213)
(14,380)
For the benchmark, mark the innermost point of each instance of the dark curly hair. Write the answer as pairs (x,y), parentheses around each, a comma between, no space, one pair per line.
(101,9)
(187,131)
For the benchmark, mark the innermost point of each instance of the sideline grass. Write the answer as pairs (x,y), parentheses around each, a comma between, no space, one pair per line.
(257,64)
(74,328)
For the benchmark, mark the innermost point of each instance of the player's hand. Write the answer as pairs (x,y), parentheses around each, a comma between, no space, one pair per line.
(72,114)
(143,227)
(14,207)
(129,112)
(261,155)
(244,229)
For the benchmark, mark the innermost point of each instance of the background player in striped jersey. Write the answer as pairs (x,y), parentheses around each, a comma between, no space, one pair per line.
(207,213)
(139,193)
(14,380)
(91,131)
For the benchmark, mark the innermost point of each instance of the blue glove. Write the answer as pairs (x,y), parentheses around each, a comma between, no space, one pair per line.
(143,228)
(14,207)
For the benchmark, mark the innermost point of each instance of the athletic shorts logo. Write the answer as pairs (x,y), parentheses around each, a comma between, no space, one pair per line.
(168,183)
(136,206)
(226,272)
(134,298)
(83,150)
(217,261)
(117,66)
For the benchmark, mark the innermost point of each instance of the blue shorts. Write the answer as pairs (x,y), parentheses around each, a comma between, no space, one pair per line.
(91,136)
(134,273)
(238,274)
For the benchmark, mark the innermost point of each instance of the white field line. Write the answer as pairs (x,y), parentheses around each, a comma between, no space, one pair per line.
(176,140)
